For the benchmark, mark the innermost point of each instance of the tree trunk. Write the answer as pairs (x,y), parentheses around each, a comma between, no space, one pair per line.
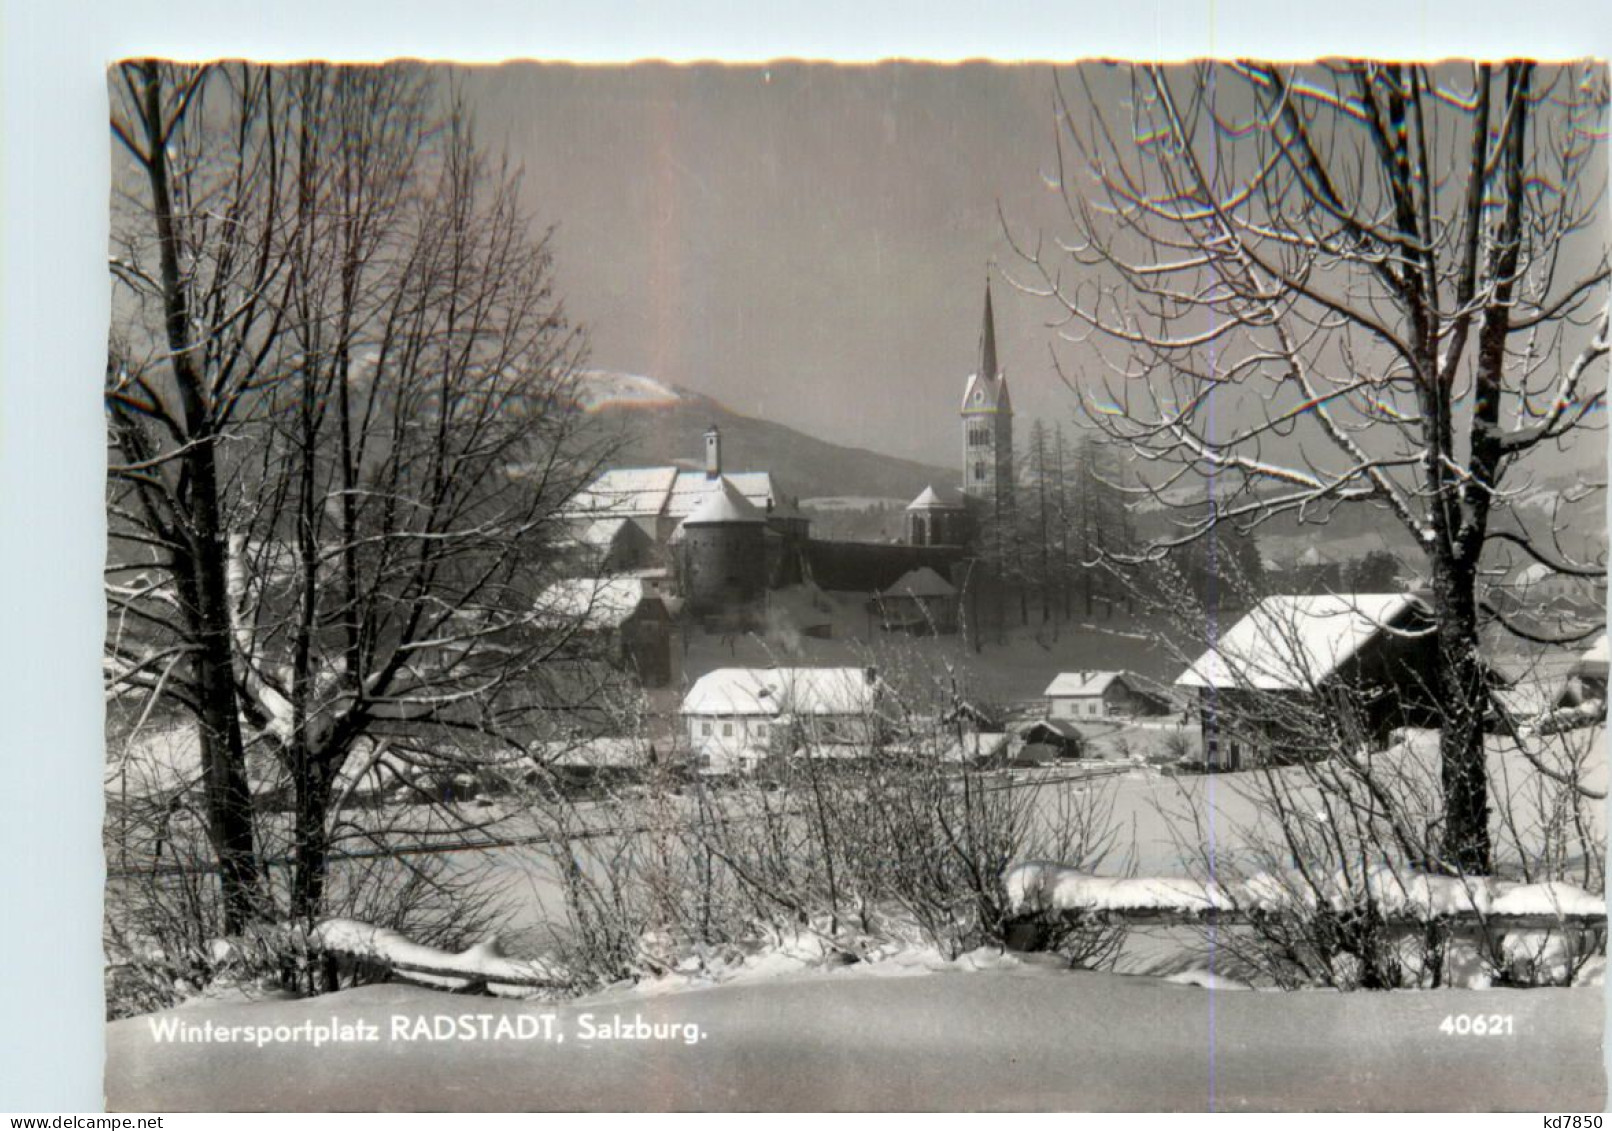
(229,800)
(1464,776)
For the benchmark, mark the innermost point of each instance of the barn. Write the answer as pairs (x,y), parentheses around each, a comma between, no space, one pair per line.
(1300,673)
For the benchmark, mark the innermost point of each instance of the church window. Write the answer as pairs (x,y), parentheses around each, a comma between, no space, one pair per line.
(979,472)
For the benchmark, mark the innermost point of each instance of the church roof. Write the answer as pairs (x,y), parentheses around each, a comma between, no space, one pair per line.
(987,390)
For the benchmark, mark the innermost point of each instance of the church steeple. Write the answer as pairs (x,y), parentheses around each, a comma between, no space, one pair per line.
(988,423)
(988,369)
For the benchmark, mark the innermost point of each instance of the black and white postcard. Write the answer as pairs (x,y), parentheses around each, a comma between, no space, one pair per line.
(901,585)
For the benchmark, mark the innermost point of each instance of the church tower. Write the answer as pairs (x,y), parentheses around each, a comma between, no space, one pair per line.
(988,427)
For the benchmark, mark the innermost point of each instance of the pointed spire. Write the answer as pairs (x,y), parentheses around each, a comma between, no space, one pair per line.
(988,368)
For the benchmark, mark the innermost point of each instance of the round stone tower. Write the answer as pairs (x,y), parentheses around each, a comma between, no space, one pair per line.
(724,550)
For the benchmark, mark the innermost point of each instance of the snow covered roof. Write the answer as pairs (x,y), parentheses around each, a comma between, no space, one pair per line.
(777,691)
(604,752)
(931,499)
(721,502)
(638,492)
(600,533)
(1294,643)
(597,603)
(920,582)
(627,491)
(1085,683)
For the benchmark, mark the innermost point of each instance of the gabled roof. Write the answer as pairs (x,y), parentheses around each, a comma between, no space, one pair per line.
(639,492)
(778,691)
(627,492)
(591,603)
(931,499)
(1083,683)
(921,582)
(1295,643)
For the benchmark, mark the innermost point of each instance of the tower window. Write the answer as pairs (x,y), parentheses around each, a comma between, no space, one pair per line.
(979,472)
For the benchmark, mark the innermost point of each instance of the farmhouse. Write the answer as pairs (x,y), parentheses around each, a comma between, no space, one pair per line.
(1299,674)
(624,612)
(1101,695)
(659,500)
(738,716)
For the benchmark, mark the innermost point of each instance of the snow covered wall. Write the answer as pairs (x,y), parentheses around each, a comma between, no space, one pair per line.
(1041,887)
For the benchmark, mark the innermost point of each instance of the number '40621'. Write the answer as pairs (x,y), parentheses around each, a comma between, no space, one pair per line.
(1476,1025)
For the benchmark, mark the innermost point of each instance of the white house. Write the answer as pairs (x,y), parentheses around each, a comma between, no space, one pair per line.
(738,716)
(1100,695)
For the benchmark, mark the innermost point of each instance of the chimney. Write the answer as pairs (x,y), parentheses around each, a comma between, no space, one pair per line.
(713,452)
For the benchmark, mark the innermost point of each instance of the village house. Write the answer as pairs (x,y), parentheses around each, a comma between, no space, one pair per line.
(624,612)
(1282,683)
(737,717)
(1101,695)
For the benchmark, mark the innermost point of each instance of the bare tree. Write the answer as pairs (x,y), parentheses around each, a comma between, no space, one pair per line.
(197,253)
(339,478)
(1346,283)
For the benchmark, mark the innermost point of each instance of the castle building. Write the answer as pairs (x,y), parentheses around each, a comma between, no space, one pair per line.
(987,414)
(662,502)
(724,554)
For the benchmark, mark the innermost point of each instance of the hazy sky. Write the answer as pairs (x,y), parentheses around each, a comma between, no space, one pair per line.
(807,243)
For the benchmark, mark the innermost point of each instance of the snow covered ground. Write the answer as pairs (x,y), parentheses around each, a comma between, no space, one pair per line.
(1008,1035)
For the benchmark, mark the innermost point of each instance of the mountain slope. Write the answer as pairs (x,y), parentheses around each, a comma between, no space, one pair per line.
(656,424)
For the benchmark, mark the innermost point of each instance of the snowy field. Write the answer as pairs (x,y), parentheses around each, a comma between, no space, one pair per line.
(1014,1035)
